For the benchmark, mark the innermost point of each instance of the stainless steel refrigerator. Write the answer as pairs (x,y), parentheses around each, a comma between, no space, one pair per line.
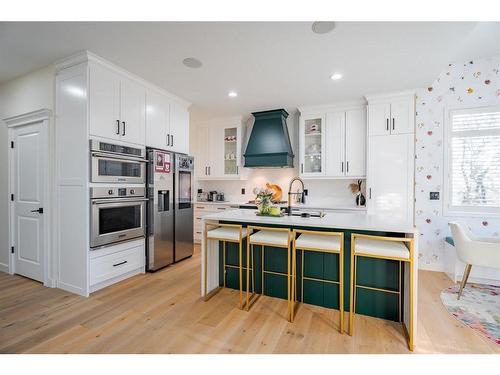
(169,208)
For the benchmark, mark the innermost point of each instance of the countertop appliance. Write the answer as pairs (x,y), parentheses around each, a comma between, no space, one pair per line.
(212,196)
(169,208)
(117,214)
(111,163)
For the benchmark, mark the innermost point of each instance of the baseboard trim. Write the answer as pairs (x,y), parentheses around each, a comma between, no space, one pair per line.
(431,267)
(4,267)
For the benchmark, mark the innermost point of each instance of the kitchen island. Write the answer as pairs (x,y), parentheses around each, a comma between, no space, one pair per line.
(377,274)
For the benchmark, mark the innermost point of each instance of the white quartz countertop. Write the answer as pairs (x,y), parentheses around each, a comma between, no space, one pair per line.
(305,206)
(337,220)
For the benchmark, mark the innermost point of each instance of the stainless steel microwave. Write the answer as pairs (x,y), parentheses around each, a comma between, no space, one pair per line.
(111,163)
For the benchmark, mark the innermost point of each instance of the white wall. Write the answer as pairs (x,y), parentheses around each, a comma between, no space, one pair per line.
(469,83)
(321,192)
(24,94)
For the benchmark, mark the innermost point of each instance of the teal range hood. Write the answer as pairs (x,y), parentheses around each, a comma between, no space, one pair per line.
(269,143)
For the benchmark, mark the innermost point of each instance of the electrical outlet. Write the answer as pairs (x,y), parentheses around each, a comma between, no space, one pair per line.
(306,192)
(242,191)
(434,195)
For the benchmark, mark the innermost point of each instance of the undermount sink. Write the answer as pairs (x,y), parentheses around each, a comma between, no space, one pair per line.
(307,213)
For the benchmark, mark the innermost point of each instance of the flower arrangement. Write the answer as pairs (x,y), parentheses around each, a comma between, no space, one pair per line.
(263,198)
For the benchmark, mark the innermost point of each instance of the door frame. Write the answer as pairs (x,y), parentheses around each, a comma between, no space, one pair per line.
(42,116)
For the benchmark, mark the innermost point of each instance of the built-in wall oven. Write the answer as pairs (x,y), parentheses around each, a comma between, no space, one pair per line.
(111,163)
(117,214)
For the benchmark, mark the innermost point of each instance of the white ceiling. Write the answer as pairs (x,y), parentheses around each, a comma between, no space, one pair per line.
(270,64)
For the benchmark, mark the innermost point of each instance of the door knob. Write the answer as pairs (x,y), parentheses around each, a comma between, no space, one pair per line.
(40,210)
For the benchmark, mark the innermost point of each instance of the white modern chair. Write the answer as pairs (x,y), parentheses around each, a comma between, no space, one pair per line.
(472,250)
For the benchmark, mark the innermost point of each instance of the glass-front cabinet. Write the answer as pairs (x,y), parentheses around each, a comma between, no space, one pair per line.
(231,152)
(312,145)
(218,154)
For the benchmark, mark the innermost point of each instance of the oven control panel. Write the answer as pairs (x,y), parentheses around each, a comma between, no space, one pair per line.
(116,192)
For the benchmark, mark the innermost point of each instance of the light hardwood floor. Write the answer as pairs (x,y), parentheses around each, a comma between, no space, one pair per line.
(163,313)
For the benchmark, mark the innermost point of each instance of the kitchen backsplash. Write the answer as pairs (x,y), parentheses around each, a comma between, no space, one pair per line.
(320,192)
(470,83)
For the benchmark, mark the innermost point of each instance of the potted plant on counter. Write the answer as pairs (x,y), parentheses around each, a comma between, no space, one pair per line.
(263,200)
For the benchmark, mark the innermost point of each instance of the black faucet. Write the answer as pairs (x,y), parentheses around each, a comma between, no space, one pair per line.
(302,194)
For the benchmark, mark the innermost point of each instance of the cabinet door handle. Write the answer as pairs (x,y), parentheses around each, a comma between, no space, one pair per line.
(237,170)
(209,171)
(206,169)
(393,126)
(347,167)
(119,264)
(172,140)
(387,124)
(342,166)
(168,139)
(123,122)
(118,127)
(301,168)
(370,193)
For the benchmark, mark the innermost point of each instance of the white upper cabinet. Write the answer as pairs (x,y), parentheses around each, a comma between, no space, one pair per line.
(167,123)
(391,115)
(312,145)
(132,111)
(402,116)
(333,144)
(157,120)
(179,128)
(379,115)
(218,150)
(117,106)
(104,101)
(335,152)
(355,142)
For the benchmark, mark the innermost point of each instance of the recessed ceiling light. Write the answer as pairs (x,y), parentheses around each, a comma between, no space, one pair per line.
(192,62)
(323,27)
(336,76)
(232,94)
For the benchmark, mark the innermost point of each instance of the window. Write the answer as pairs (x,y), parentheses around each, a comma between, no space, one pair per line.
(473,161)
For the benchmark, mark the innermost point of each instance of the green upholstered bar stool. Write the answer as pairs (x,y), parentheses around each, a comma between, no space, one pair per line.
(226,233)
(323,242)
(400,249)
(275,237)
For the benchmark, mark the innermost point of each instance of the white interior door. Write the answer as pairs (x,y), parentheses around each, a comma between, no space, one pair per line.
(28,172)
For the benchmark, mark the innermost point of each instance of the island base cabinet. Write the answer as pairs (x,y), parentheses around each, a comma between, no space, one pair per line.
(372,273)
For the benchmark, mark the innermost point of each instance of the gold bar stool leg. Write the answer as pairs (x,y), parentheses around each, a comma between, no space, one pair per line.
(224,233)
(320,242)
(341,283)
(401,250)
(353,288)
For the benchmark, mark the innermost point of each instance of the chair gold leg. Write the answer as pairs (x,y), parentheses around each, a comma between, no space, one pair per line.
(224,263)
(352,288)
(205,261)
(294,280)
(468,267)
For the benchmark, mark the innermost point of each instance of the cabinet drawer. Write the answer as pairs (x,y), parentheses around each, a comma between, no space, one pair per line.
(115,264)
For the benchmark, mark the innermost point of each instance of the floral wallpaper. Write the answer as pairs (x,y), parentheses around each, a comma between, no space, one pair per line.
(470,83)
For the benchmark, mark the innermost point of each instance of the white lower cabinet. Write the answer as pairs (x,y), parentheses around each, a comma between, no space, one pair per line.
(206,208)
(115,263)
